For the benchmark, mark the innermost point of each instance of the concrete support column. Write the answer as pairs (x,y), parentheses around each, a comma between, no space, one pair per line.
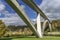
(44,25)
(39,25)
(50,26)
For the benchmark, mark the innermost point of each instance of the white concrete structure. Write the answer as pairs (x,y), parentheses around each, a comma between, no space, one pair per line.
(32,5)
(20,11)
(44,25)
(39,25)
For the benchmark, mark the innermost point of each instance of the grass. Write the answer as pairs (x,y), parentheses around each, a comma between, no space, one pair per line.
(33,38)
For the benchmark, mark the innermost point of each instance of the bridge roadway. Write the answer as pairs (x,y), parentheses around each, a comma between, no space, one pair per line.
(32,5)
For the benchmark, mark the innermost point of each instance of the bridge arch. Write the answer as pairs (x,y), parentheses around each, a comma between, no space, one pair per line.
(44,25)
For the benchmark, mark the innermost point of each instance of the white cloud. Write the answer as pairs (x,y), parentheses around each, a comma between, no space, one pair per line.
(12,18)
(13,21)
(22,6)
(2,7)
(51,8)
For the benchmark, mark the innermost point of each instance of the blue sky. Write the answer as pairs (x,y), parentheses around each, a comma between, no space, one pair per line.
(29,11)
(51,8)
(8,15)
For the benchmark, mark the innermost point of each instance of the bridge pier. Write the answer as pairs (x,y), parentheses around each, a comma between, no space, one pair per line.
(39,25)
(44,25)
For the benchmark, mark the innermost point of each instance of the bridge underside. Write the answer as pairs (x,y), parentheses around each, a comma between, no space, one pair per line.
(33,6)
(20,11)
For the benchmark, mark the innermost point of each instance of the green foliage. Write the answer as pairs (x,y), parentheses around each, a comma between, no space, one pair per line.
(1,22)
(56,25)
(33,38)
(18,31)
(2,28)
